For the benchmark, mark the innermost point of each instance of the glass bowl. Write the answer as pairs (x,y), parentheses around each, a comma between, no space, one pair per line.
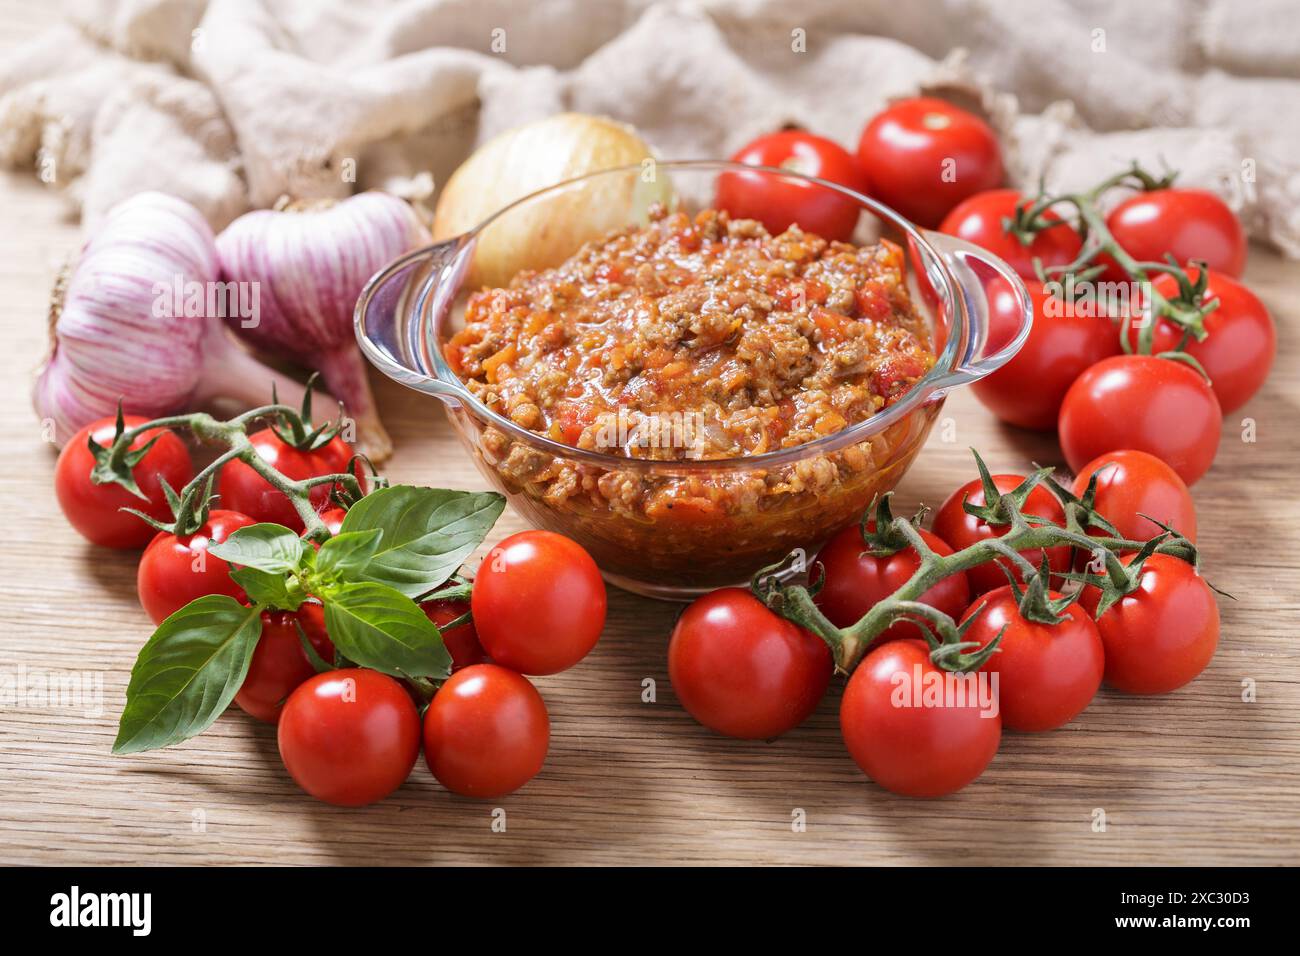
(765,506)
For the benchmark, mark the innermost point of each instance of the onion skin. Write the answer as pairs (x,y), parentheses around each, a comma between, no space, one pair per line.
(310,264)
(109,345)
(531,157)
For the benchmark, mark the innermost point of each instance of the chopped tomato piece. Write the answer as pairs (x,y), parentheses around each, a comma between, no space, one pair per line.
(492,365)
(872,299)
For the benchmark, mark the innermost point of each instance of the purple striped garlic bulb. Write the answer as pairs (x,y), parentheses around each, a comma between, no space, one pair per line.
(138,320)
(309,262)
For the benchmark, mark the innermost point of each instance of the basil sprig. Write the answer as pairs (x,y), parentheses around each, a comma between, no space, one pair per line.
(395,545)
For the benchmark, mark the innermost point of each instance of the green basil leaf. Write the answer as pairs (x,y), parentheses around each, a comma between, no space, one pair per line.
(380,628)
(264,587)
(428,533)
(267,547)
(188,672)
(348,552)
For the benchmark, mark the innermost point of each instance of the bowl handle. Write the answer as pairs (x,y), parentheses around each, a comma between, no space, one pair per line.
(973,267)
(393,314)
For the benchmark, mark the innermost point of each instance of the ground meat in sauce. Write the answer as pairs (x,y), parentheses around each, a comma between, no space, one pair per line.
(700,337)
(687,338)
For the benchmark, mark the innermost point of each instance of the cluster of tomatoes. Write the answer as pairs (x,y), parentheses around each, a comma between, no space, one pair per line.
(941,167)
(348,735)
(744,671)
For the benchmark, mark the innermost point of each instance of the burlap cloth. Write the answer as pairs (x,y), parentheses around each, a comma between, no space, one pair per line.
(232,103)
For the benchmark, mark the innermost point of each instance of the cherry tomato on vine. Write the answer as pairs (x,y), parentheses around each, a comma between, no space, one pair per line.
(923,156)
(174,571)
(742,670)
(243,489)
(1143,402)
(961,530)
(94,509)
(979,220)
(486,732)
(1189,223)
(856,581)
(1047,673)
(778,203)
(1163,634)
(901,737)
(1063,342)
(1240,341)
(1131,484)
(538,603)
(279,661)
(462,641)
(349,737)
(333,519)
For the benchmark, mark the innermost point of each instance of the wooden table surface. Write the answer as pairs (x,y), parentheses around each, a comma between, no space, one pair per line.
(1199,776)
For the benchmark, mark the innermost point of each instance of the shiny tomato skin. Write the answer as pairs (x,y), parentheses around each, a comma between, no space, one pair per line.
(778,203)
(174,571)
(1240,344)
(349,737)
(93,510)
(1190,223)
(279,662)
(1162,635)
(923,156)
(1143,402)
(1133,483)
(740,669)
(1028,390)
(961,530)
(916,751)
(1047,673)
(243,489)
(856,581)
(462,641)
(538,602)
(486,732)
(979,220)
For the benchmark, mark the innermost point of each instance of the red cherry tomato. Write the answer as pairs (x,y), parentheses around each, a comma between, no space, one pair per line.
(856,581)
(244,490)
(1047,673)
(779,203)
(979,220)
(923,156)
(93,509)
(279,661)
(1240,341)
(462,641)
(486,732)
(1150,404)
(349,737)
(1163,634)
(1029,389)
(1189,223)
(743,671)
(174,571)
(961,530)
(904,742)
(1131,484)
(538,603)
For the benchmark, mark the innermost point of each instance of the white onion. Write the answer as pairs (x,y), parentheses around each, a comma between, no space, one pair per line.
(521,161)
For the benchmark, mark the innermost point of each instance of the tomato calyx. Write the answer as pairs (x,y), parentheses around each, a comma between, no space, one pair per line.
(1034,599)
(114,464)
(296,430)
(879,532)
(1004,509)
